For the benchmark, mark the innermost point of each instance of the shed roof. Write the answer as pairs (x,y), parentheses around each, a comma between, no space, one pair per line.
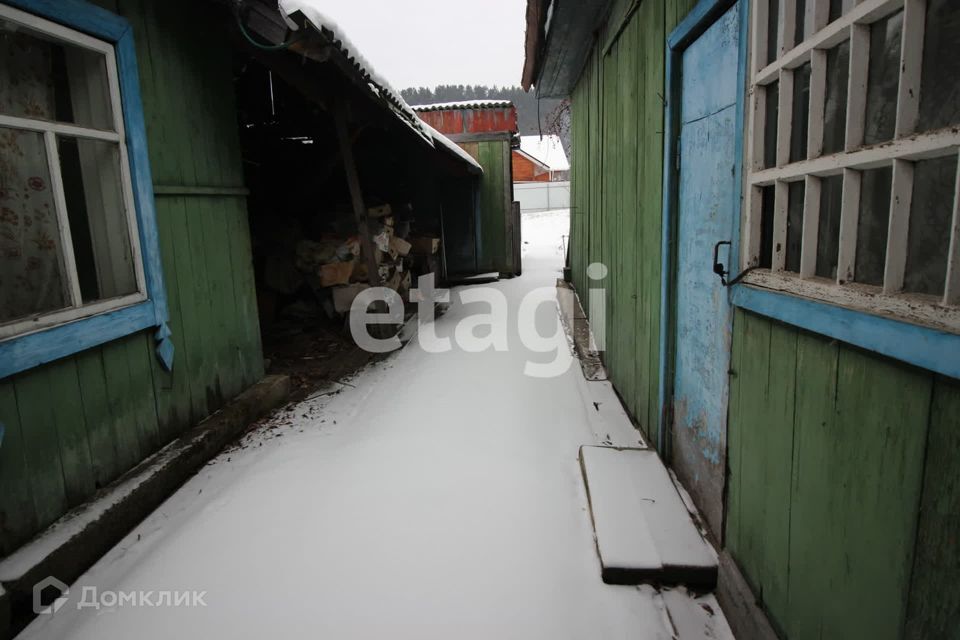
(375,83)
(548,150)
(464,104)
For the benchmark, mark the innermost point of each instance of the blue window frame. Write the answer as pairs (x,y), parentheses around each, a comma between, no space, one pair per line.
(22,352)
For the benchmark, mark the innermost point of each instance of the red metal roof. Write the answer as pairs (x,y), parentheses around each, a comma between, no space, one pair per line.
(467,118)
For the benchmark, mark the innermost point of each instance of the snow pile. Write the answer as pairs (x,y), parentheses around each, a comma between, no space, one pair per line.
(437,495)
(547,149)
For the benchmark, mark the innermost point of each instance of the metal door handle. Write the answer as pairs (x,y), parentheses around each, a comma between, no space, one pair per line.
(721,270)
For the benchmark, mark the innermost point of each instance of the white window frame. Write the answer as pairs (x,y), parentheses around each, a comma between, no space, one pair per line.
(50,130)
(854,25)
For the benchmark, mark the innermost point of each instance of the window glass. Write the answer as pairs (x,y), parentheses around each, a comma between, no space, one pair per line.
(939,86)
(101,241)
(928,240)
(835,101)
(795,196)
(801,27)
(44,78)
(767,195)
(882,79)
(773,26)
(801,113)
(839,7)
(873,225)
(828,232)
(31,269)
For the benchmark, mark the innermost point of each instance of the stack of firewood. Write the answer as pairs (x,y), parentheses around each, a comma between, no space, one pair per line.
(305,277)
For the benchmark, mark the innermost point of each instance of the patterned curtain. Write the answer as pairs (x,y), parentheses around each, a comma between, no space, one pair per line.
(30,258)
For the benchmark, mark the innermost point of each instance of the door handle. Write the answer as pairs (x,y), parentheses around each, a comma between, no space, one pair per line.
(721,270)
(718,267)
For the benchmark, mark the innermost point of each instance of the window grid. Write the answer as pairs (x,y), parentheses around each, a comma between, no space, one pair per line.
(900,153)
(50,131)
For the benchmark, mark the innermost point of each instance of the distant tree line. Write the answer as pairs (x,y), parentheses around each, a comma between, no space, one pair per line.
(554,115)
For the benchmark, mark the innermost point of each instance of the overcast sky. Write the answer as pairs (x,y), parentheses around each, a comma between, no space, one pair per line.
(415,43)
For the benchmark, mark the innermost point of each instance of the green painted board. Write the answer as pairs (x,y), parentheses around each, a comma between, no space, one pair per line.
(101,437)
(18,518)
(41,446)
(934,606)
(63,387)
(826,459)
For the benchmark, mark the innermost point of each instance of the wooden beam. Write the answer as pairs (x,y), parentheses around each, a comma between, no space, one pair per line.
(356,195)
(921,146)
(901,195)
(911,61)
(952,294)
(811,227)
(818,92)
(857,85)
(849,221)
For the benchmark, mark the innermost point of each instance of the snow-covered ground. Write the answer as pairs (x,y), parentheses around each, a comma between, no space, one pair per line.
(437,496)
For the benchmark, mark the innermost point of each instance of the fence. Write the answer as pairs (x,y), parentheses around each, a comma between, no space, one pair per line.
(542,196)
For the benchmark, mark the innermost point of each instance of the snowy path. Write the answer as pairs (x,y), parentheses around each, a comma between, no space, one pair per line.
(439,498)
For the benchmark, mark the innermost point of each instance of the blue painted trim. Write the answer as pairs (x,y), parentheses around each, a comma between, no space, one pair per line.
(77,14)
(700,18)
(140,173)
(34,349)
(21,353)
(923,347)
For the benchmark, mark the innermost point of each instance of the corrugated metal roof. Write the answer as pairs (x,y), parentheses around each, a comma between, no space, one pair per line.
(375,82)
(464,104)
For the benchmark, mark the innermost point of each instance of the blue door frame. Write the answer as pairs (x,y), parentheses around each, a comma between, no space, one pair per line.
(700,18)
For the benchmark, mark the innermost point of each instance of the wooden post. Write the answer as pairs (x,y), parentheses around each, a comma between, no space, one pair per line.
(353,181)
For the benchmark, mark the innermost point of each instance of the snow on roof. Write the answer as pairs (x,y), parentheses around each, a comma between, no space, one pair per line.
(464,104)
(378,84)
(548,150)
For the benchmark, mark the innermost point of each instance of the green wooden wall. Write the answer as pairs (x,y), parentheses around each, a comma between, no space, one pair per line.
(844,486)
(843,505)
(617,176)
(494,157)
(79,423)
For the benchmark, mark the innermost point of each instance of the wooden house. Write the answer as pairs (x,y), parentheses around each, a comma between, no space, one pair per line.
(773,185)
(540,159)
(147,151)
(486,129)
(527,168)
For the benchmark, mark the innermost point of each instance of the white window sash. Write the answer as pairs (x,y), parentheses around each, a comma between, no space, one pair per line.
(901,153)
(50,131)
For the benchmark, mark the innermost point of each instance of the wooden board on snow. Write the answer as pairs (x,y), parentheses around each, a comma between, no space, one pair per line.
(644,532)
